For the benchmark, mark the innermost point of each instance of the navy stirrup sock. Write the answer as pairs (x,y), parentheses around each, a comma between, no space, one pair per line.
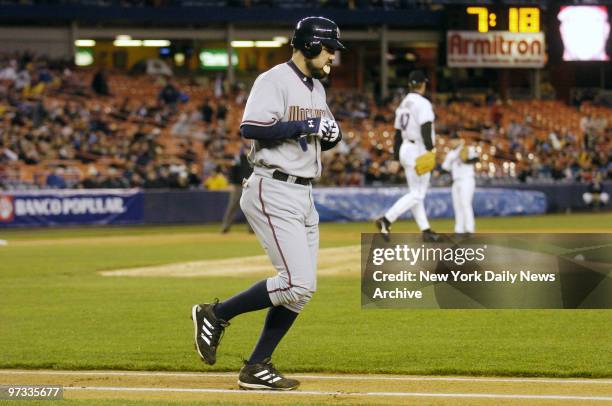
(254,298)
(278,322)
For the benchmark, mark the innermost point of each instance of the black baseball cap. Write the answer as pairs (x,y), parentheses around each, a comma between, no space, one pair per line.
(417,77)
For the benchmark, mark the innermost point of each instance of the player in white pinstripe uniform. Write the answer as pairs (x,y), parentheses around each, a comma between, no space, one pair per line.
(414,135)
(460,163)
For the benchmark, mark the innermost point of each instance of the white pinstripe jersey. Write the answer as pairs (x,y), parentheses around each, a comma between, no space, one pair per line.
(455,165)
(278,95)
(414,111)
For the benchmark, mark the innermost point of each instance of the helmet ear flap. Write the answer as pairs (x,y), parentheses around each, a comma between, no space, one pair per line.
(312,49)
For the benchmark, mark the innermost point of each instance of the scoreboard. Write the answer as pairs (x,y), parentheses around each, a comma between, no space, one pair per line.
(513,19)
(485,19)
(495,37)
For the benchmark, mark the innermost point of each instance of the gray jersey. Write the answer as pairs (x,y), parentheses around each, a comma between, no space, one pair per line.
(284,94)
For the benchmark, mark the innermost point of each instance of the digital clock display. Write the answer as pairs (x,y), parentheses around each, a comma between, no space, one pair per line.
(485,19)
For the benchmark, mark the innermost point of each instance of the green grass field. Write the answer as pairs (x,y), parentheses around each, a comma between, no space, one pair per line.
(57,311)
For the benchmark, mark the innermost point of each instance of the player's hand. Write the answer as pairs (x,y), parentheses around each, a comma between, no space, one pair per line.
(328,130)
(324,128)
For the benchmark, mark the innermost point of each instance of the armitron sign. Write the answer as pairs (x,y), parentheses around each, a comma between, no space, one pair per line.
(495,49)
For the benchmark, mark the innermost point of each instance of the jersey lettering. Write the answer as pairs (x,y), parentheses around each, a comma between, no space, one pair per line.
(297,113)
(404,119)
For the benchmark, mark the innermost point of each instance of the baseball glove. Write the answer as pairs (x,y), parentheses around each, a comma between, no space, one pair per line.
(425,163)
(464,154)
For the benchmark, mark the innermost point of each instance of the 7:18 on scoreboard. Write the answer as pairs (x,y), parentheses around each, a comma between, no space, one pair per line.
(513,19)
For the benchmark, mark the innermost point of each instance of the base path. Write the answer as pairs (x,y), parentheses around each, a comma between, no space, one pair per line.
(320,388)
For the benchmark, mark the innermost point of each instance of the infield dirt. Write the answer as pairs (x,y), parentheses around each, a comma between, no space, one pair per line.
(319,388)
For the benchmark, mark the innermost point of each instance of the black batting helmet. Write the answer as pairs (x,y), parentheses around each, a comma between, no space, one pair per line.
(313,33)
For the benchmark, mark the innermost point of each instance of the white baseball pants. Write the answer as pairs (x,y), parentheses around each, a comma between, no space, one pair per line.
(463,194)
(414,200)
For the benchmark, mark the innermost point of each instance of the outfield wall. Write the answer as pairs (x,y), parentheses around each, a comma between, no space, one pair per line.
(133,206)
(356,204)
(560,197)
(342,204)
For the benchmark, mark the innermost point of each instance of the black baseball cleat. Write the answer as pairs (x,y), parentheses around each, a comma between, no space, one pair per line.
(431,236)
(264,376)
(208,331)
(384,227)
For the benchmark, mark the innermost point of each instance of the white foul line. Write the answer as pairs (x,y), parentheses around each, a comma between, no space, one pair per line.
(330,377)
(323,393)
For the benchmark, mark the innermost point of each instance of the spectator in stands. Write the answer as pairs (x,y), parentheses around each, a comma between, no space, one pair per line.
(185,124)
(587,124)
(9,72)
(23,79)
(99,84)
(488,132)
(553,138)
(222,111)
(497,114)
(28,153)
(114,179)
(558,171)
(207,111)
(92,180)
(188,154)
(217,181)
(170,95)
(164,175)
(6,154)
(375,175)
(135,179)
(65,120)
(219,86)
(194,180)
(595,197)
(152,180)
(354,177)
(240,94)
(600,124)
(56,180)
(524,172)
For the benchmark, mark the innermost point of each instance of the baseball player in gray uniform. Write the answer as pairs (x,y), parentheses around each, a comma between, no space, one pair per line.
(288,119)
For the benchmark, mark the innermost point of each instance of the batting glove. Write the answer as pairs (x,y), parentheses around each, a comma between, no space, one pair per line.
(324,128)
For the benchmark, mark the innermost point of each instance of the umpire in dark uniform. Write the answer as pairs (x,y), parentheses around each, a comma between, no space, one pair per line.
(239,171)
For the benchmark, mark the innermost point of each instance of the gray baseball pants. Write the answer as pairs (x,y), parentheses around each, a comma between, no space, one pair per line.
(285,220)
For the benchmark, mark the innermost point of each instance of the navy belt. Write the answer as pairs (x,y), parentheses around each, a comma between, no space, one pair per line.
(278,175)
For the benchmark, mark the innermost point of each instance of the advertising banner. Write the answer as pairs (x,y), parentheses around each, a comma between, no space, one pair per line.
(495,49)
(71,207)
(365,204)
